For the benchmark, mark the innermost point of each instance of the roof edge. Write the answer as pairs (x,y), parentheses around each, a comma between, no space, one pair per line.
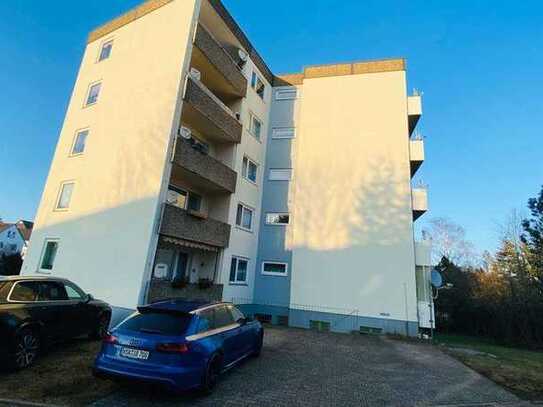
(353,68)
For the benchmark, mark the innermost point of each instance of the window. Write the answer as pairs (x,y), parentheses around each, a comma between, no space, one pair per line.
(177,197)
(277,218)
(244,217)
(52,291)
(195,202)
(79,142)
(258,85)
(24,291)
(249,169)
(94,91)
(66,190)
(105,51)
(49,254)
(286,94)
(238,270)
(283,132)
(271,268)
(255,127)
(284,174)
(236,313)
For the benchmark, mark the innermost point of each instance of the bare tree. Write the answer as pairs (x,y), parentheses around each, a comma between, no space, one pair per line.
(449,240)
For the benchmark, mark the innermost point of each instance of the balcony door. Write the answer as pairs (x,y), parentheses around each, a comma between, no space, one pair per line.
(181,267)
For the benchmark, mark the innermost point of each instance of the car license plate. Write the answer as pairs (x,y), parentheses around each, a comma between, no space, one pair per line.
(135,353)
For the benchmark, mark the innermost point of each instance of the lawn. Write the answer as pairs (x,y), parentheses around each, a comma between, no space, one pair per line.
(519,370)
(62,376)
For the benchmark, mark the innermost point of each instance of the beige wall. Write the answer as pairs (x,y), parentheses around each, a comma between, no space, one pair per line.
(108,234)
(352,238)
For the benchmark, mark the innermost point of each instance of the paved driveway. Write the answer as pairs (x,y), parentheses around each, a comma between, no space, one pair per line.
(306,368)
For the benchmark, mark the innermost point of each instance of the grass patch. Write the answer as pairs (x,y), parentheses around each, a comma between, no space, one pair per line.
(519,370)
(61,376)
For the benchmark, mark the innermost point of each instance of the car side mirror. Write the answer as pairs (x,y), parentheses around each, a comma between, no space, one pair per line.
(242,321)
(89,297)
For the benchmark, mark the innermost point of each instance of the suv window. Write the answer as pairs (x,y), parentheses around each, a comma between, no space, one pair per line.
(223,317)
(52,291)
(206,320)
(157,323)
(24,291)
(236,313)
(4,290)
(73,292)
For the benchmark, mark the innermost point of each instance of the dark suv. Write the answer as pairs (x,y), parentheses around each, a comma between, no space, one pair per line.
(36,311)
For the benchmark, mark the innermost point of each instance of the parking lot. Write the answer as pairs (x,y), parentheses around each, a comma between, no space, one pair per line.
(307,368)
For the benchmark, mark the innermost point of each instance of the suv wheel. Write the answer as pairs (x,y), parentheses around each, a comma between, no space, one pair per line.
(27,347)
(212,373)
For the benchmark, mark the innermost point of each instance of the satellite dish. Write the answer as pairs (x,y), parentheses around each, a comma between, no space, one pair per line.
(437,280)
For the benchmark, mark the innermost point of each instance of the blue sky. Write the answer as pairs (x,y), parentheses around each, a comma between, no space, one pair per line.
(477,62)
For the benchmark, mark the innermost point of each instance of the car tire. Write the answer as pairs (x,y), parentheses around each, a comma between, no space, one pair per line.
(27,348)
(259,345)
(211,375)
(101,328)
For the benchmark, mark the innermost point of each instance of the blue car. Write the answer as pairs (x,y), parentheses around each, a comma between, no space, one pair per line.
(182,345)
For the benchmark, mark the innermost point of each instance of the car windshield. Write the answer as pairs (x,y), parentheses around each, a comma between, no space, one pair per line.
(157,323)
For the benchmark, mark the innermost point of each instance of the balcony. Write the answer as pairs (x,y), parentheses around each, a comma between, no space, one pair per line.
(203,170)
(205,112)
(181,224)
(162,290)
(414,111)
(219,71)
(419,198)
(423,253)
(416,153)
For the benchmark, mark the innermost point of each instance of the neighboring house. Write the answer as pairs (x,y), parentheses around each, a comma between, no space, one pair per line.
(14,237)
(186,168)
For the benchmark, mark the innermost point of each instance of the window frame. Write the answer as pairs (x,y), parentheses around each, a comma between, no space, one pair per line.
(91,85)
(59,196)
(102,46)
(280,169)
(240,225)
(268,273)
(46,241)
(74,143)
(9,300)
(245,170)
(277,213)
(252,118)
(236,281)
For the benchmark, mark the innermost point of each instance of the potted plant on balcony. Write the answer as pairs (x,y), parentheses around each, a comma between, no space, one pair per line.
(180,282)
(204,283)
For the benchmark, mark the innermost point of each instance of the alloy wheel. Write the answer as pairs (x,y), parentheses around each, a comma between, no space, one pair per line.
(27,350)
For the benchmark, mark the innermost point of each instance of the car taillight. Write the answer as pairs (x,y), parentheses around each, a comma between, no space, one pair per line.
(111,339)
(172,347)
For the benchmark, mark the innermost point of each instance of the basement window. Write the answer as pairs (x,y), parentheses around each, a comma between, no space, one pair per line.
(319,325)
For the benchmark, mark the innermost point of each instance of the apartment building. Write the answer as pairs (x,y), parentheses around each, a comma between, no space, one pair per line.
(186,169)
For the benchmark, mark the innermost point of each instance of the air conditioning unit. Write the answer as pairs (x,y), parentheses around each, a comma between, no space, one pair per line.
(243,57)
(195,73)
(185,132)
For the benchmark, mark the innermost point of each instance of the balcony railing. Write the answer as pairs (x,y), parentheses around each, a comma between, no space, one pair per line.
(416,153)
(210,174)
(163,289)
(419,197)
(414,111)
(179,223)
(221,61)
(205,112)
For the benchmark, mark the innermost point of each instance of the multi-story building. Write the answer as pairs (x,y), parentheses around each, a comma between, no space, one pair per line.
(186,168)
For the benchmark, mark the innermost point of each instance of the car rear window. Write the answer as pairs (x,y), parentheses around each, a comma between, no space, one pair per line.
(157,323)
(24,291)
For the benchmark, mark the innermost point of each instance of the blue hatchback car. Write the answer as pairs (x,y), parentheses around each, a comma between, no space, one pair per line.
(183,345)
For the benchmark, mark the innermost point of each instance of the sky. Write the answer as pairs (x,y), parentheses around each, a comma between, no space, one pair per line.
(478,64)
